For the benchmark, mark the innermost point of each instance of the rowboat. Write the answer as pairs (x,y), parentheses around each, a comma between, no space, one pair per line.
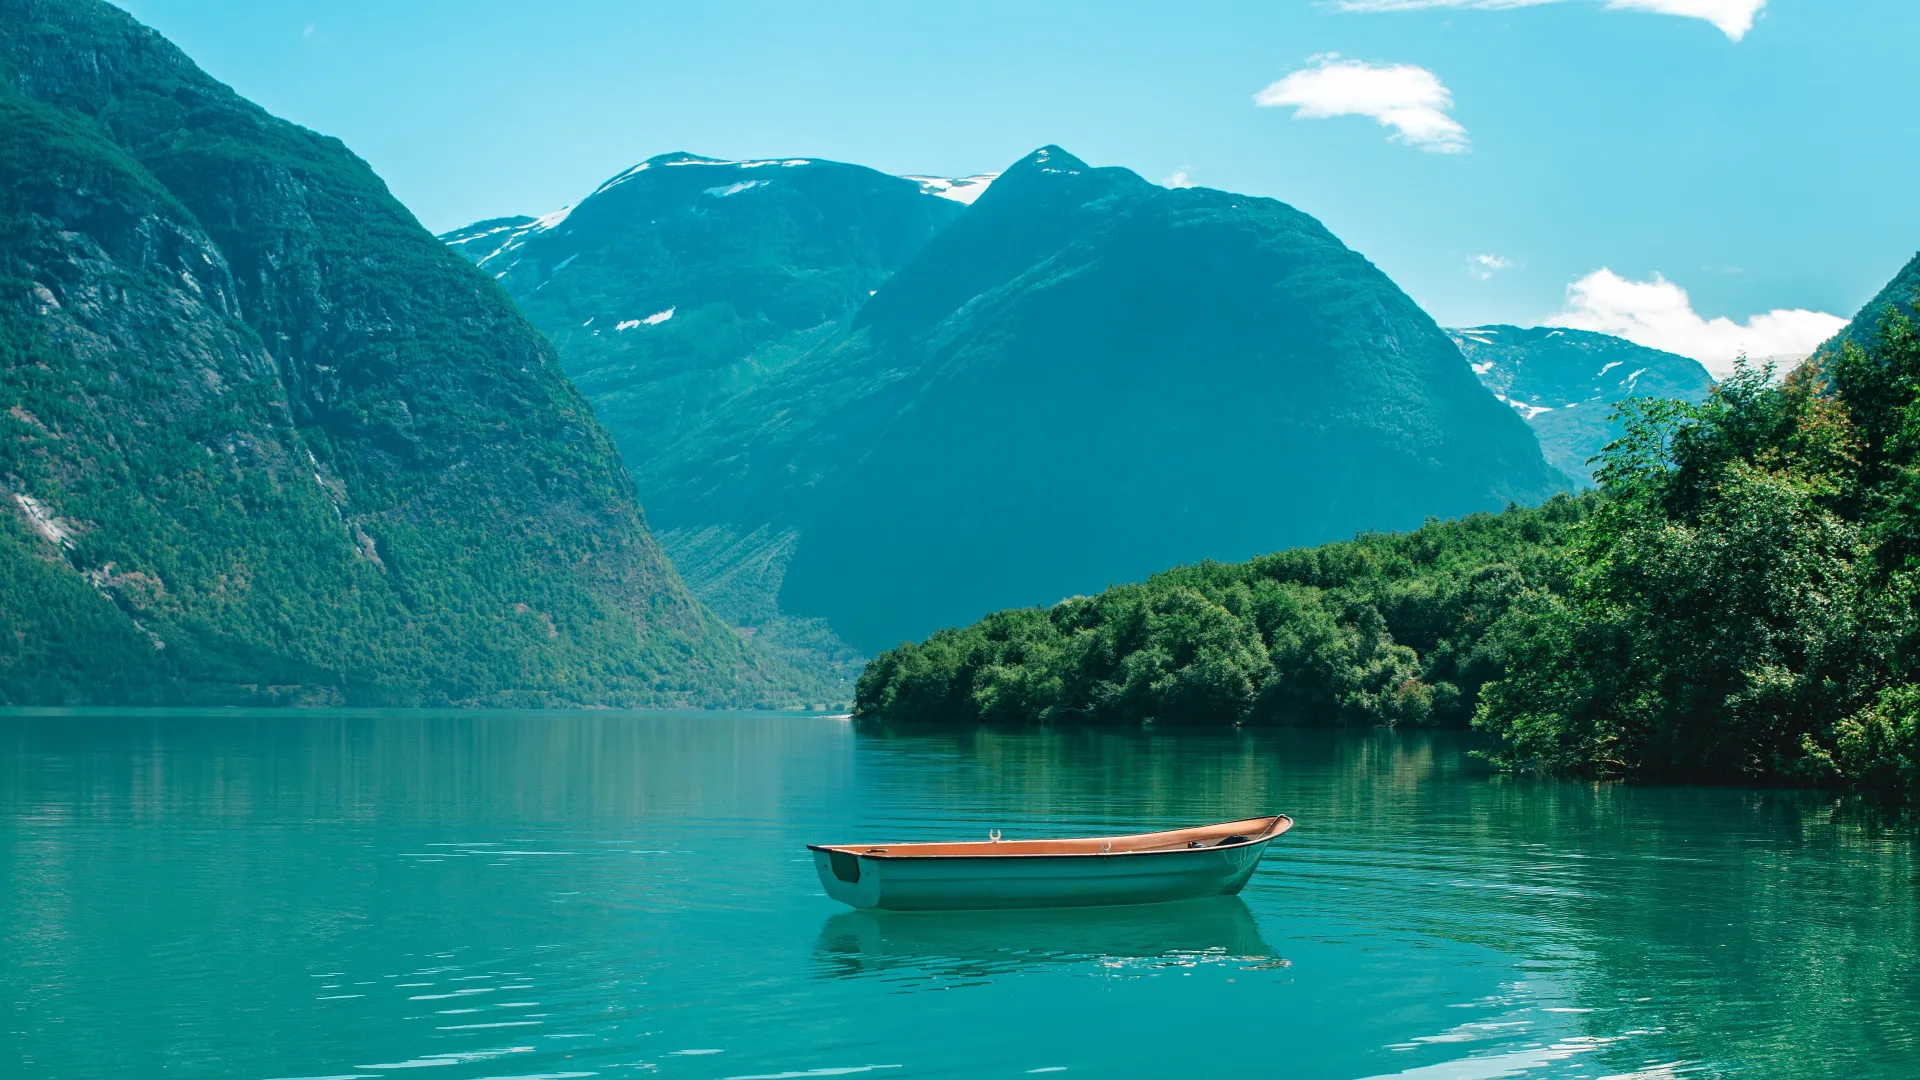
(1142,868)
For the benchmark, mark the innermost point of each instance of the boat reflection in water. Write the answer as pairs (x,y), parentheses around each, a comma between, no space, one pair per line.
(969,945)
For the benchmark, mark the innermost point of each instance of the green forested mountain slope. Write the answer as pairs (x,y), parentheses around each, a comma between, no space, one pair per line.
(1899,294)
(262,437)
(1083,378)
(1565,383)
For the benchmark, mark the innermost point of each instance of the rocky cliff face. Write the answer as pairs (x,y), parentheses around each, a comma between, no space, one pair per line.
(264,438)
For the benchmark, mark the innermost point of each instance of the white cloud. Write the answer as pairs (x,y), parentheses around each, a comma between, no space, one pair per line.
(1659,315)
(1733,17)
(1410,100)
(1178,179)
(1485,266)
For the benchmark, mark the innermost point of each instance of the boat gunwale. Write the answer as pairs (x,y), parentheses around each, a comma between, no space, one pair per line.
(1277,826)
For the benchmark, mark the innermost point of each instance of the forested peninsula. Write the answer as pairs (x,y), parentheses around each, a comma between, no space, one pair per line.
(1735,603)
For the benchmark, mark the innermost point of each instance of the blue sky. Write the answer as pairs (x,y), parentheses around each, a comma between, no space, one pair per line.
(1493,156)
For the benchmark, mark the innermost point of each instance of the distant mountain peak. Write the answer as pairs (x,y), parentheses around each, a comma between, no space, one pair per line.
(1565,383)
(505,235)
(681,158)
(509,232)
(689,183)
(1051,158)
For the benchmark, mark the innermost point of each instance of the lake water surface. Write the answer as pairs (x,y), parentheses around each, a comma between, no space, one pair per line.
(261,895)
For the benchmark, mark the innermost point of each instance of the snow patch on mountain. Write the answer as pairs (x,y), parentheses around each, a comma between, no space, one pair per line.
(463,237)
(961,189)
(654,319)
(624,177)
(549,221)
(787,162)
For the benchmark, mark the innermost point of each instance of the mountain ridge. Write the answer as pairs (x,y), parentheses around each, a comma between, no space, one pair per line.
(684,279)
(266,439)
(1007,323)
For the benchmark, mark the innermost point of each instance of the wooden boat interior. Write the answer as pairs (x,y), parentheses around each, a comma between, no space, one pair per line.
(1225,834)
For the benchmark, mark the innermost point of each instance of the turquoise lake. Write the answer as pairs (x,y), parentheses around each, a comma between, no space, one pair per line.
(360,894)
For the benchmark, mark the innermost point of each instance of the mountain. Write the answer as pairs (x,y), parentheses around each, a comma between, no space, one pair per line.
(264,438)
(1900,294)
(685,281)
(1566,382)
(1082,379)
